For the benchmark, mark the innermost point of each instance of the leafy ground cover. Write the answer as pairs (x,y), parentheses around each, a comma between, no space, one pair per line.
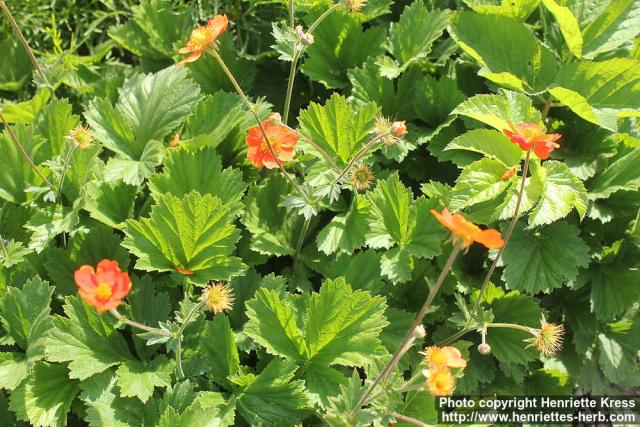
(314,212)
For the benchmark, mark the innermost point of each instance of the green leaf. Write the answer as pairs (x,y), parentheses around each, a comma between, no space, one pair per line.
(345,233)
(217,116)
(218,346)
(86,340)
(507,344)
(568,26)
(390,220)
(274,229)
(14,368)
(46,397)
(194,232)
(532,190)
(323,382)
(500,110)
(340,44)
(546,259)
(434,99)
(479,182)
(428,234)
(600,92)
(55,122)
(613,289)
(138,379)
(207,409)
(519,9)
(623,174)
(411,38)
(49,222)
(22,310)
(618,350)
(110,202)
(15,173)
(185,171)
(273,396)
(491,143)
(509,53)
(396,265)
(342,326)
(562,192)
(105,407)
(272,324)
(16,70)
(134,172)
(337,127)
(616,25)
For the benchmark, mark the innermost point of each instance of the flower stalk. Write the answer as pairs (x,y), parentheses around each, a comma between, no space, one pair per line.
(403,347)
(134,324)
(369,146)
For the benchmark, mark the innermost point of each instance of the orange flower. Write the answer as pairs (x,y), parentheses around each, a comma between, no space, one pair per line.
(105,287)
(204,37)
(529,135)
(282,139)
(440,381)
(467,232)
(449,357)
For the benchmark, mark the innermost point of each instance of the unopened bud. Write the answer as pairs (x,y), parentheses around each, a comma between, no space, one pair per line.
(398,129)
(275,118)
(419,333)
(509,173)
(175,141)
(484,348)
(305,38)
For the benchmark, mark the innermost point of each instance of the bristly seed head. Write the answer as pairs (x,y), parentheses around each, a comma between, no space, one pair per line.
(383,129)
(356,5)
(548,339)
(80,137)
(361,177)
(218,297)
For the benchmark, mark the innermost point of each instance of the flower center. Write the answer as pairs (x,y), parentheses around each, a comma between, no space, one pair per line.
(273,139)
(442,380)
(103,292)
(200,38)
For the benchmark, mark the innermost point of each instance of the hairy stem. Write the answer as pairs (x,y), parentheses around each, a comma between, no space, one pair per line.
(251,108)
(322,17)
(510,326)
(455,336)
(303,235)
(65,167)
(24,153)
(516,216)
(371,144)
(290,81)
(179,370)
(25,43)
(410,333)
(137,325)
(408,419)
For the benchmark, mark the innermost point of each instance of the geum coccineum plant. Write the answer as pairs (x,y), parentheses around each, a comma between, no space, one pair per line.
(405,212)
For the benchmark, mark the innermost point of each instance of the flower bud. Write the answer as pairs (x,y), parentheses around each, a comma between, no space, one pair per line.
(305,38)
(175,141)
(398,129)
(275,118)
(484,348)
(419,333)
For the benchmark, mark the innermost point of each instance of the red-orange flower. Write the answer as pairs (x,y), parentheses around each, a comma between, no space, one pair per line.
(203,37)
(105,287)
(529,135)
(467,232)
(282,139)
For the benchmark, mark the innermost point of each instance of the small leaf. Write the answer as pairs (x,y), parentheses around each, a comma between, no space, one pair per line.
(390,218)
(479,182)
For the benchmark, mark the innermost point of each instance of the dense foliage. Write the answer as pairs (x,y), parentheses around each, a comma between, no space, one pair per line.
(275,292)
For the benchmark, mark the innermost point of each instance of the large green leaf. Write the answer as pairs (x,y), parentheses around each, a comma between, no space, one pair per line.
(15,173)
(520,9)
(194,233)
(623,174)
(600,92)
(618,350)
(273,397)
(16,69)
(337,127)
(509,53)
(568,24)
(491,143)
(340,44)
(55,122)
(218,346)
(185,171)
(411,38)
(617,24)
(390,216)
(134,171)
(546,259)
(561,193)
(507,344)
(88,341)
(613,289)
(500,110)
(46,397)
(345,233)
(479,182)
(216,116)
(110,202)
(138,379)
(274,229)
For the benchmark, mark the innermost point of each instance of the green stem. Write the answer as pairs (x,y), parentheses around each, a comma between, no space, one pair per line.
(315,146)
(292,13)
(251,108)
(67,159)
(178,336)
(322,17)
(455,336)
(179,370)
(155,331)
(507,237)
(24,42)
(292,77)
(408,419)
(511,326)
(194,310)
(402,348)
(24,153)
(359,155)
(303,235)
